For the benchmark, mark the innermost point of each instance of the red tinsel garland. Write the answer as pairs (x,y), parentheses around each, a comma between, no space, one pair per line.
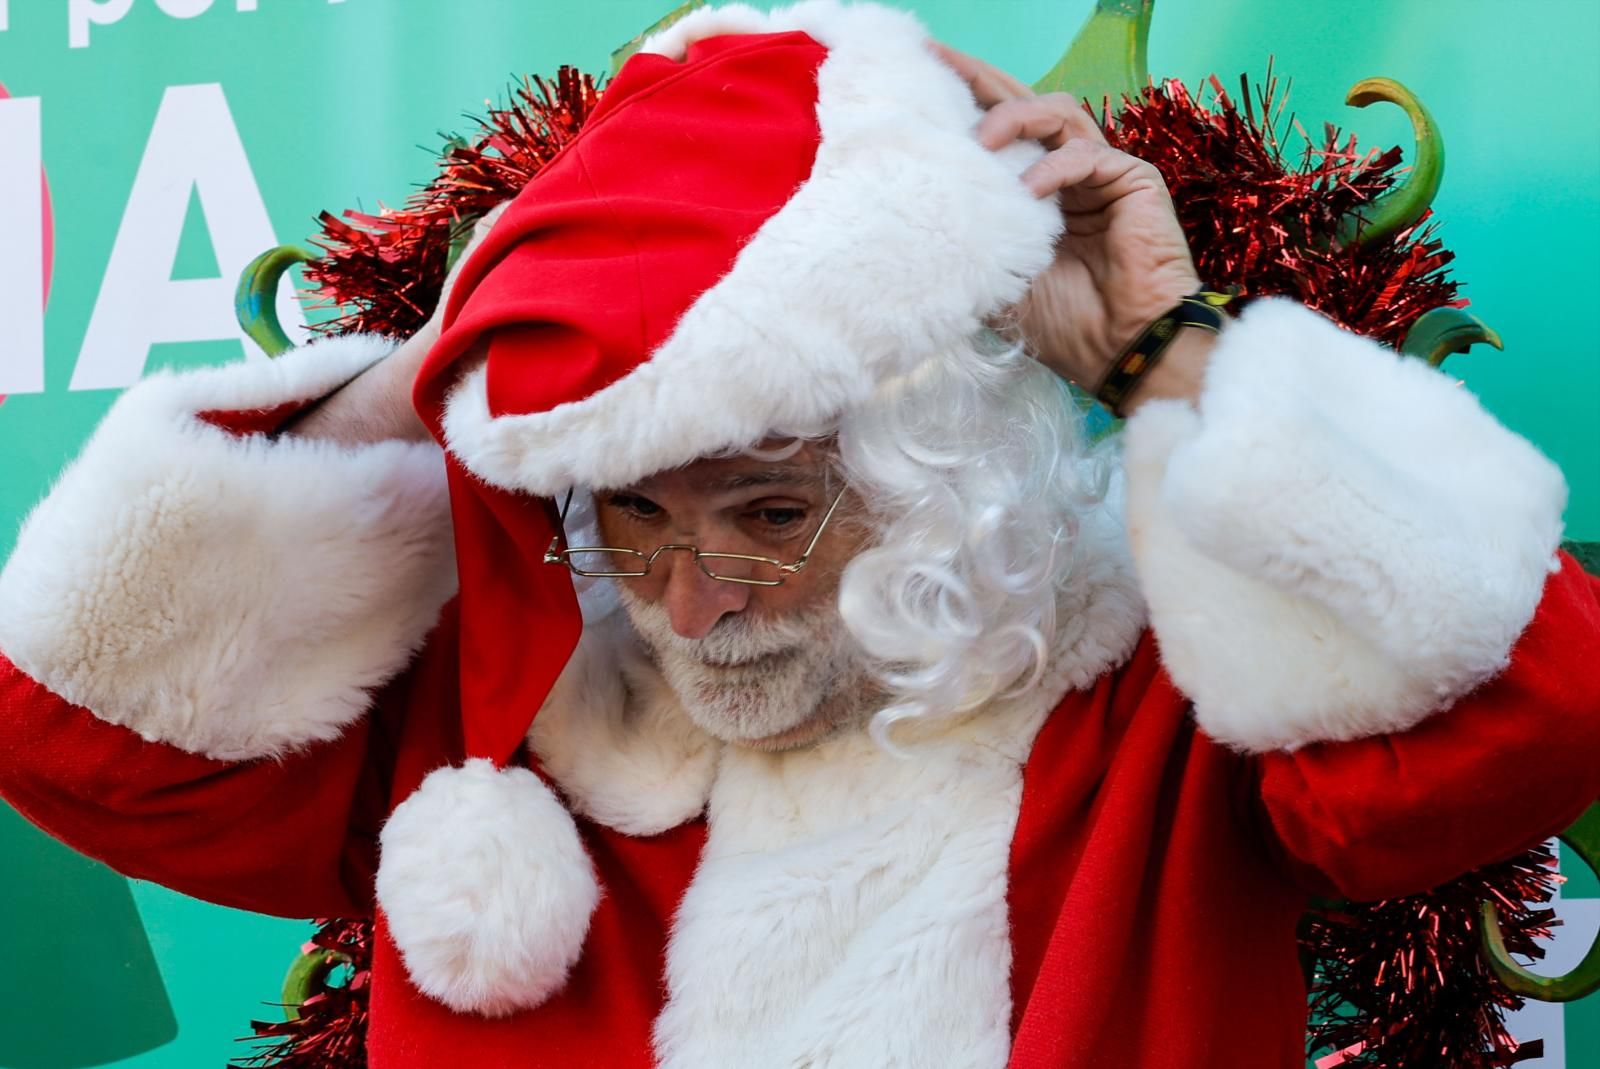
(1267,227)
(1403,984)
(330,1031)
(1399,984)
(387,270)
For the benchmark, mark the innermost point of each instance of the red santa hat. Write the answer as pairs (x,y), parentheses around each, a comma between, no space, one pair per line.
(767,218)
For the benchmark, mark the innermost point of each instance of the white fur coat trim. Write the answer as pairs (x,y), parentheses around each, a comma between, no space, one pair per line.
(617,742)
(886,874)
(1339,541)
(486,887)
(904,236)
(163,583)
(849,908)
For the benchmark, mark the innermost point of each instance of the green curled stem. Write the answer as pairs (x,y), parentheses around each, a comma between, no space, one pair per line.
(309,976)
(1583,838)
(255,299)
(1408,201)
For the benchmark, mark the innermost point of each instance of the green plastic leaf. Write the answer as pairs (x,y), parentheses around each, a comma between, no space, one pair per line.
(621,55)
(1108,57)
(1438,333)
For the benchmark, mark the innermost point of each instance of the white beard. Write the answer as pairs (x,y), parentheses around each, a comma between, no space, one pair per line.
(751,680)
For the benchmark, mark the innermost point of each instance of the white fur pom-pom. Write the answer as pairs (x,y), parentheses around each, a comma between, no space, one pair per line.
(487,888)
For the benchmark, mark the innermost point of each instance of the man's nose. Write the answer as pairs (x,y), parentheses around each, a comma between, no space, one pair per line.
(694,601)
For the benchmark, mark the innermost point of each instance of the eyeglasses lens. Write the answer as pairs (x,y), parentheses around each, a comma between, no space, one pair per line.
(740,570)
(606,562)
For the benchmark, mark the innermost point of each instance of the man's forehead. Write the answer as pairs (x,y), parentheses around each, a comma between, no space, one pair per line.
(710,475)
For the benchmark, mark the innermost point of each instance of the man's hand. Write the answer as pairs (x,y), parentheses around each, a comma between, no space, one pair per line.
(376,405)
(1123,261)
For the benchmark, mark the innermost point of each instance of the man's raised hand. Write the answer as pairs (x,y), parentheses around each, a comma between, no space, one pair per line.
(1123,261)
(376,405)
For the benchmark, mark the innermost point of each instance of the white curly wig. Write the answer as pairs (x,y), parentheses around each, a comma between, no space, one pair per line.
(975,475)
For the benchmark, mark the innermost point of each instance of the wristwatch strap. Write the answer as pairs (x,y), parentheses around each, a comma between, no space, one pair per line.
(1202,309)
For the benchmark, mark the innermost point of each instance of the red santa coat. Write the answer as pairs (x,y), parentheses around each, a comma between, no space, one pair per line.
(1083,878)
(1154,883)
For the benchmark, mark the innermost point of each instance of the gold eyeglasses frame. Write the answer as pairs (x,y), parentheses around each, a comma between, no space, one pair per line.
(555,555)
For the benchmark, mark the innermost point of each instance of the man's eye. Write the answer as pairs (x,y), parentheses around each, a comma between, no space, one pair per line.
(641,507)
(780,517)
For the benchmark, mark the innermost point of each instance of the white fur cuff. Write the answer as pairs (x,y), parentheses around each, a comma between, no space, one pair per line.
(1339,541)
(232,596)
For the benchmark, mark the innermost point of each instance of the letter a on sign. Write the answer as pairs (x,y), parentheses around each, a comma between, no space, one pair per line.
(194,146)
(21,248)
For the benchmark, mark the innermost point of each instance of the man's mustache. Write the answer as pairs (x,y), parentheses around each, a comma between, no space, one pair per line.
(734,641)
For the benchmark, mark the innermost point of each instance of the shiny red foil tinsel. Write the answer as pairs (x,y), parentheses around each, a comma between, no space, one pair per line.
(1403,983)
(1268,226)
(1397,984)
(385,271)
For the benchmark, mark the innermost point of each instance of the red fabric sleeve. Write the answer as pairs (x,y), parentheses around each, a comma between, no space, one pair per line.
(295,837)
(1508,765)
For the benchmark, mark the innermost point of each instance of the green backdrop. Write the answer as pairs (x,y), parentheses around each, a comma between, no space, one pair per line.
(180,137)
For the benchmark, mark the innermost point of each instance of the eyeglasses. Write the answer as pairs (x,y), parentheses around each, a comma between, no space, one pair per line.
(612,562)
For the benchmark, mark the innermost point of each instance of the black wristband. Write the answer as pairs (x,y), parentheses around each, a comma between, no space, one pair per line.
(1202,309)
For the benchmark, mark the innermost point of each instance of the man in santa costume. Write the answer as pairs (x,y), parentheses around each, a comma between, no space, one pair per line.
(881,720)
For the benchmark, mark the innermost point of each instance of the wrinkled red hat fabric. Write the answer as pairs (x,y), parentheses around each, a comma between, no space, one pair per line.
(756,232)
(592,266)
